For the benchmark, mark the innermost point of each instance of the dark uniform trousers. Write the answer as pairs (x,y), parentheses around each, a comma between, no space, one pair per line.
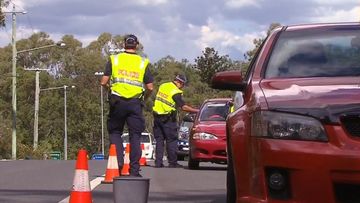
(127,111)
(165,129)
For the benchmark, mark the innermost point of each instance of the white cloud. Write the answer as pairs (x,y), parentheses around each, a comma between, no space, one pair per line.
(176,28)
(328,14)
(336,2)
(85,39)
(150,2)
(21,33)
(241,3)
(19,6)
(5,38)
(222,40)
(24,4)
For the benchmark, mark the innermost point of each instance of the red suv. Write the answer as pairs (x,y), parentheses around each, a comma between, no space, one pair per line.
(207,138)
(296,138)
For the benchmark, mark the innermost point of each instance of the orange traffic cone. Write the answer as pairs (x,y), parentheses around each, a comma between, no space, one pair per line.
(81,192)
(142,161)
(126,166)
(112,169)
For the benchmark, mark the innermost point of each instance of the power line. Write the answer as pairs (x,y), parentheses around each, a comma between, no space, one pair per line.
(30,24)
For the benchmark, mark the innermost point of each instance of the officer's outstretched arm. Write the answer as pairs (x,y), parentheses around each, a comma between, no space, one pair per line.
(190,109)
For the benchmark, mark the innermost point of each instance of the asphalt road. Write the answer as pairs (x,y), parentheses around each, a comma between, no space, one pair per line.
(46,181)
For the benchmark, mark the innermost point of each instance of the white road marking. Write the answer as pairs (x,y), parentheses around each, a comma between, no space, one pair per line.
(93,184)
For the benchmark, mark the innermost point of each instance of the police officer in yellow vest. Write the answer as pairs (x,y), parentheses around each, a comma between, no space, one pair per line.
(131,82)
(168,99)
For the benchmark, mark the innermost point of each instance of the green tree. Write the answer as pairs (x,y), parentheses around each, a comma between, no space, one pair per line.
(210,63)
(257,42)
(76,65)
(3,4)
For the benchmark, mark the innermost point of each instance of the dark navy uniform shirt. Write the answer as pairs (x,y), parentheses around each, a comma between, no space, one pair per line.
(178,100)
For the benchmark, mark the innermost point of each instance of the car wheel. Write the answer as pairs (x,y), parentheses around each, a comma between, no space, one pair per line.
(193,164)
(230,179)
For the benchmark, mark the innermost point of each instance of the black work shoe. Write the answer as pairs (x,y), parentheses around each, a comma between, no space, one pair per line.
(175,165)
(159,166)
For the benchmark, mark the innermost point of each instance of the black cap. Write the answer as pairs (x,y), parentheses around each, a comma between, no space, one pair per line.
(131,41)
(181,78)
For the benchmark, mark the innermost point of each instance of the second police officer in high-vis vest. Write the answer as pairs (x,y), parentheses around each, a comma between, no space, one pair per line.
(168,99)
(131,82)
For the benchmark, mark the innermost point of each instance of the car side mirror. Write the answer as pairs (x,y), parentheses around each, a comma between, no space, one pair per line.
(228,80)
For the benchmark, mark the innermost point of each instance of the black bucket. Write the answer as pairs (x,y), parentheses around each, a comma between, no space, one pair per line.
(124,188)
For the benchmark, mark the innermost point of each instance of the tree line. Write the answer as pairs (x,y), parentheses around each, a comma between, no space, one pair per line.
(75,65)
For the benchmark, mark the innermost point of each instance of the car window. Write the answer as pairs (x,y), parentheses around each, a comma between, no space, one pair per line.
(145,138)
(316,54)
(254,60)
(185,126)
(214,111)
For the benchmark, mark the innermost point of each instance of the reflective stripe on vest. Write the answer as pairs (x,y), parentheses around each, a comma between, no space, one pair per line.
(164,103)
(128,70)
(123,80)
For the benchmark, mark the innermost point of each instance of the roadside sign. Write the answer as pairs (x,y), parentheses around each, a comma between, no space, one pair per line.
(55,155)
(97,157)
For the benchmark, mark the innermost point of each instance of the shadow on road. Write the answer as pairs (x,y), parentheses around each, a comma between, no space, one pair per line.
(209,168)
(197,196)
(40,196)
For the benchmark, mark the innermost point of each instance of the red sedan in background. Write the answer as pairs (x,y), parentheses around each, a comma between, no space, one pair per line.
(296,138)
(207,138)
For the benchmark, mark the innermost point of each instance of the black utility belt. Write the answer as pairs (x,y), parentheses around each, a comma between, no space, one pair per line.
(123,98)
(166,117)
(161,115)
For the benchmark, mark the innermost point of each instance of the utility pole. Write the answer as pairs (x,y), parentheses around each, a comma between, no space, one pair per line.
(14,53)
(102,112)
(36,113)
(65,114)
(13,41)
(37,89)
(102,119)
(65,124)
(36,116)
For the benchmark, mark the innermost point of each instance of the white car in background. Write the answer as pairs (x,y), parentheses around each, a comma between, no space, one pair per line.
(147,139)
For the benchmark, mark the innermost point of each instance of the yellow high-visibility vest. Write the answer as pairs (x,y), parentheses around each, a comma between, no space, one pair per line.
(232,108)
(128,70)
(164,103)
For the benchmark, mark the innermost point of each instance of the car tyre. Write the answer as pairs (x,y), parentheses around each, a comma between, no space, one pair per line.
(193,164)
(230,179)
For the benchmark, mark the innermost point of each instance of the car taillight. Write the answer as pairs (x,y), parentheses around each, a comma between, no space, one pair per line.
(277,125)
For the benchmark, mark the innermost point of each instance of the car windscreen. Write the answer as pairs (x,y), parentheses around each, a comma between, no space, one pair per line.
(185,126)
(214,111)
(316,53)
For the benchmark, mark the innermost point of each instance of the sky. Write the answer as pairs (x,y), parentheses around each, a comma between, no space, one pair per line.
(179,28)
